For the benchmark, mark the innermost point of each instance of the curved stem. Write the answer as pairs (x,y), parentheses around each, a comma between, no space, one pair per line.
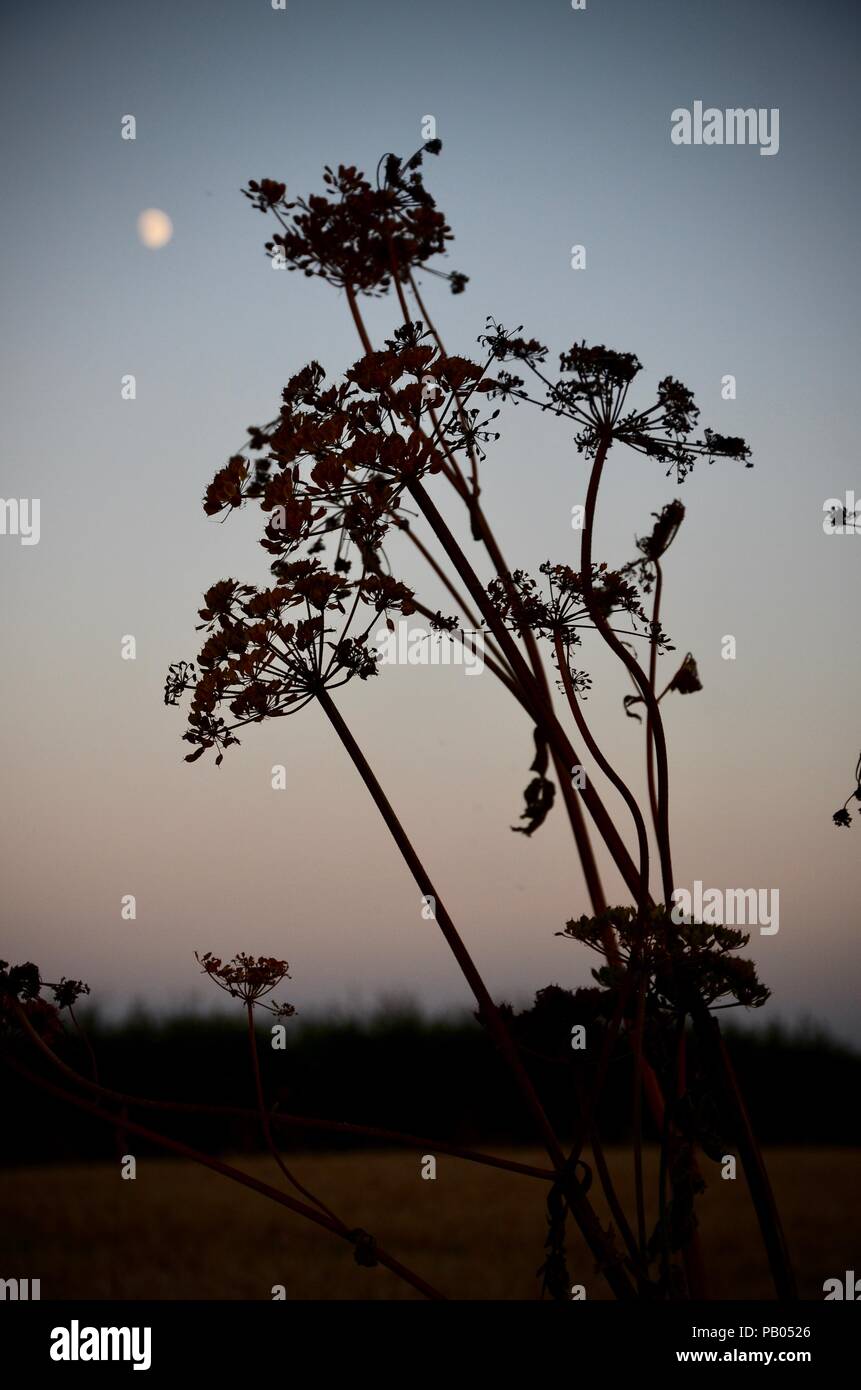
(458,597)
(609,771)
(572,803)
(638,1115)
(283,1120)
(264,1120)
(615,1205)
(714,1047)
(501,672)
(358,320)
(236,1175)
(543,715)
(622,652)
(653,672)
(473,461)
(488,1012)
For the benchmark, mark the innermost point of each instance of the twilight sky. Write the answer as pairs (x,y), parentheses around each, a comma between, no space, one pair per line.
(702,260)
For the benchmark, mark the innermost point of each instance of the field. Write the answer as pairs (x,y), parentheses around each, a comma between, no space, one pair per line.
(180,1232)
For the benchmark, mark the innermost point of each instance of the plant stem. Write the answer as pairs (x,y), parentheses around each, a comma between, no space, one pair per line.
(281,1119)
(264,1120)
(488,1012)
(543,715)
(709,1035)
(610,772)
(236,1175)
(653,672)
(638,1115)
(632,665)
(534,685)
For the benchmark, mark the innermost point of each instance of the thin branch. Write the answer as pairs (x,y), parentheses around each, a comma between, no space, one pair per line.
(236,1175)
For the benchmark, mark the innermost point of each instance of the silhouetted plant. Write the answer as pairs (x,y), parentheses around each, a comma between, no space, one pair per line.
(842,817)
(335,474)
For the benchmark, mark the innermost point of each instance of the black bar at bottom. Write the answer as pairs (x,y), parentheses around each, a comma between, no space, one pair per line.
(410,1340)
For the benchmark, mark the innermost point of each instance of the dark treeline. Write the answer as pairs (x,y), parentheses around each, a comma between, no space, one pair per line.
(396,1070)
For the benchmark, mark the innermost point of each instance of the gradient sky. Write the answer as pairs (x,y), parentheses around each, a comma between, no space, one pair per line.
(704,261)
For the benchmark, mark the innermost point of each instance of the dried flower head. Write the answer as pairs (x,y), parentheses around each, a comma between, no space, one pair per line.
(249,978)
(593,391)
(664,532)
(68,992)
(682,961)
(686,680)
(21,989)
(357,236)
(563,611)
(262,659)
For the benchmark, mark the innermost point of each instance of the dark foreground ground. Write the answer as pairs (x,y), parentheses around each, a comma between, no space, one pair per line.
(178,1231)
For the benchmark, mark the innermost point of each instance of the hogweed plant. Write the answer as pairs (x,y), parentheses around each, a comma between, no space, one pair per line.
(345,465)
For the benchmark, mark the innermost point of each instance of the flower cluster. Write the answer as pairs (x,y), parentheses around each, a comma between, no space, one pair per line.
(338,459)
(593,390)
(682,962)
(563,612)
(263,659)
(21,988)
(339,454)
(249,978)
(357,236)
